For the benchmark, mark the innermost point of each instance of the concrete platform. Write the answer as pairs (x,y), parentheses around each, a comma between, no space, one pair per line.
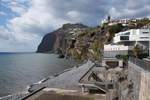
(61,94)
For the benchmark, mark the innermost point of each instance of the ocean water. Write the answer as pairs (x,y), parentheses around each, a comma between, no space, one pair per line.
(17,70)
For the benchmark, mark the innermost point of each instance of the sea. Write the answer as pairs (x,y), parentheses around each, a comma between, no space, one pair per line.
(18,70)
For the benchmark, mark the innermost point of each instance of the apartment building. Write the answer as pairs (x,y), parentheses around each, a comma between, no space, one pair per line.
(124,42)
(133,37)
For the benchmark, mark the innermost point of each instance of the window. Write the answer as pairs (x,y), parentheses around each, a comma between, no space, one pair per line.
(128,33)
(145,32)
(144,37)
(124,37)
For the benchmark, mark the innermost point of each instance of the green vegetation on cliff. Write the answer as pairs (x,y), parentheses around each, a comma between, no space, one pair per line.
(88,45)
(81,42)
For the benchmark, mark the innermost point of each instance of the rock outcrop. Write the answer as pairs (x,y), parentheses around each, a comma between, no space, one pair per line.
(79,41)
(75,41)
(47,43)
(55,41)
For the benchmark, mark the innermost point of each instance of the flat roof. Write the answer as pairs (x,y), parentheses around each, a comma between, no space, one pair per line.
(110,58)
(147,59)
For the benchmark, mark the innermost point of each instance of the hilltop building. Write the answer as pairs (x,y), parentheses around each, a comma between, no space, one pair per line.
(106,20)
(133,37)
(124,22)
(124,42)
(136,86)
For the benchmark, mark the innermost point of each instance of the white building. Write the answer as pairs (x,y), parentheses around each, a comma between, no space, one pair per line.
(114,50)
(133,37)
(111,47)
(124,22)
(125,42)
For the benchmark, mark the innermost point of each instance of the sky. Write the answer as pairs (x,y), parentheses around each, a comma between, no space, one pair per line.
(23,23)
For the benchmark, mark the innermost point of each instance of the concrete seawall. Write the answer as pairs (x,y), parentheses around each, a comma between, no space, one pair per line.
(141,81)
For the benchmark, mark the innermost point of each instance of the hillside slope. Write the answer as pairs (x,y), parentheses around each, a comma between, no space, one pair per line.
(78,41)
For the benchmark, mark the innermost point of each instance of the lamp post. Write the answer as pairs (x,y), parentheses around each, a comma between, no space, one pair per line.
(149,48)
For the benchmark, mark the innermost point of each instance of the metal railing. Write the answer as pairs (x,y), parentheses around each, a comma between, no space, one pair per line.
(141,63)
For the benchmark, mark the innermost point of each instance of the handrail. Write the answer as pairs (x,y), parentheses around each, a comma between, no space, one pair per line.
(85,74)
(141,63)
(30,94)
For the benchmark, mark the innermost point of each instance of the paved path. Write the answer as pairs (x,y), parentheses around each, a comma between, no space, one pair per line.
(69,80)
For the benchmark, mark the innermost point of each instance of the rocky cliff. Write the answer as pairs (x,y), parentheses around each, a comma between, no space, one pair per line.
(83,42)
(55,40)
(47,43)
(74,40)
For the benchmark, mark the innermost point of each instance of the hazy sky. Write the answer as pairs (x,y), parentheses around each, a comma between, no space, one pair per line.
(23,23)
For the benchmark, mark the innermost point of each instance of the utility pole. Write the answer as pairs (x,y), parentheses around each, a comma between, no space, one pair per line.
(149,48)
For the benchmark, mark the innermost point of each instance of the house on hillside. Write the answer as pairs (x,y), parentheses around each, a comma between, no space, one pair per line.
(133,37)
(125,42)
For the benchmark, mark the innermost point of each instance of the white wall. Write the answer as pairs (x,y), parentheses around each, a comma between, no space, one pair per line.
(135,35)
(116,47)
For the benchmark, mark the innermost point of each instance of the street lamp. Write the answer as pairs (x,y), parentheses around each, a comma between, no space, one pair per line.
(149,48)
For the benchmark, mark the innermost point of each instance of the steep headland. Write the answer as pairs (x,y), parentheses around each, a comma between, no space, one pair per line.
(73,40)
(55,40)
(82,42)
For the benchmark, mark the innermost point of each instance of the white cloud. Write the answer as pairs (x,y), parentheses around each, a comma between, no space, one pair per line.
(114,12)
(37,17)
(28,28)
(15,42)
(130,8)
(2,13)
(17,7)
(74,15)
(4,33)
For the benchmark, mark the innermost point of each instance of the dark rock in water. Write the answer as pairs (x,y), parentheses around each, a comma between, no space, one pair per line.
(61,56)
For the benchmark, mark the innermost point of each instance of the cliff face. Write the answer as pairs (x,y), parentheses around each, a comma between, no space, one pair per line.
(80,41)
(47,43)
(56,40)
(75,41)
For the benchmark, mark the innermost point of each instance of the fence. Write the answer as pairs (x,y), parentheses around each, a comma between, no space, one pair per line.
(141,63)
